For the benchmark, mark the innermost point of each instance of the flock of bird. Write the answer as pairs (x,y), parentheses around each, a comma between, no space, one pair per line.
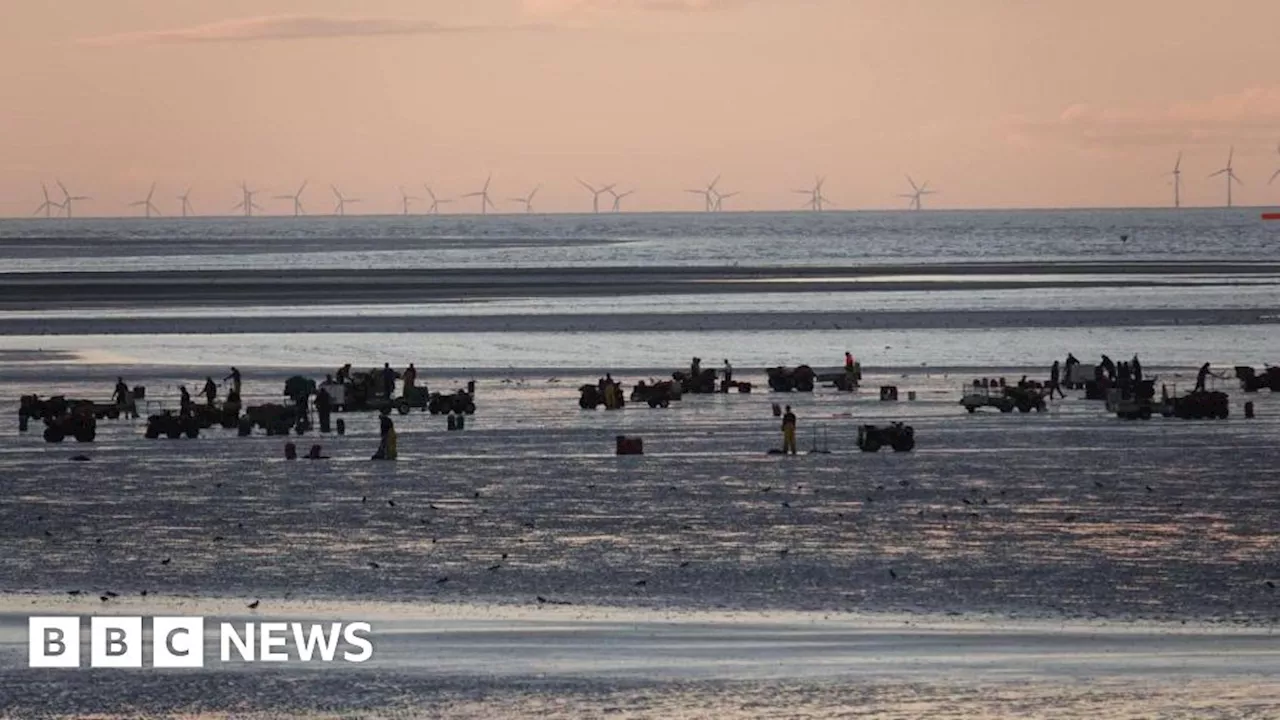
(713,199)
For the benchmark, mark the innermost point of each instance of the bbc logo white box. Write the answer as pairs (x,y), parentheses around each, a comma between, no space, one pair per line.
(115,642)
(177,642)
(53,642)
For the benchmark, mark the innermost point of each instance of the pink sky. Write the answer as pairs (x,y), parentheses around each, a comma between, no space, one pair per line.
(999,103)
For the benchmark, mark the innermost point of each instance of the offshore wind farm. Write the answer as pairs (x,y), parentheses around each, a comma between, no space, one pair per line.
(712,195)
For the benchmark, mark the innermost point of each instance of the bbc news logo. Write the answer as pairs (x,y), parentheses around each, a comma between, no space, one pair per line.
(179,642)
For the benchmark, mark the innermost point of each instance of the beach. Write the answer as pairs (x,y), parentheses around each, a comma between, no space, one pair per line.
(1063,563)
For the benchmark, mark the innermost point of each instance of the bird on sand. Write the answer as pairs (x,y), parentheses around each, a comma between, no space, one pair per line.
(254,605)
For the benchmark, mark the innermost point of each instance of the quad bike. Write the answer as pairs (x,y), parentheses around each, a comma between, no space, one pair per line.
(902,438)
(658,394)
(460,402)
(798,379)
(1252,381)
(79,423)
(173,426)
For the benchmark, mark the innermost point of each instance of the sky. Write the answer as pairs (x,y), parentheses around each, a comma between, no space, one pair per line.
(996,103)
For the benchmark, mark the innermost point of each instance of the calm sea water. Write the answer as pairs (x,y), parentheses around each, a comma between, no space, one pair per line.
(756,239)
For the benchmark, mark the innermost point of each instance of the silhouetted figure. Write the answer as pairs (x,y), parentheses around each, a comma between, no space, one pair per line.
(344,374)
(1054,379)
(324,406)
(388,380)
(695,368)
(387,446)
(848,360)
(728,371)
(184,402)
(234,377)
(410,377)
(1122,378)
(210,391)
(121,394)
(1136,368)
(1201,376)
(789,432)
(1109,367)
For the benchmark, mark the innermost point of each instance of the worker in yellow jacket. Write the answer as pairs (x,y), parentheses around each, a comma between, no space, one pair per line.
(789,432)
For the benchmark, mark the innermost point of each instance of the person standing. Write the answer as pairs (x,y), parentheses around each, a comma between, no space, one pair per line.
(234,377)
(1054,379)
(123,397)
(410,377)
(728,372)
(324,406)
(210,391)
(387,446)
(388,380)
(1203,375)
(184,402)
(789,432)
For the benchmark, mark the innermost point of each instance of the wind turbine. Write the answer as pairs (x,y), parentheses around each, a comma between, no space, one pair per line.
(707,194)
(48,205)
(483,194)
(1177,182)
(617,198)
(919,191)
(721,197)
(68,198)
(297,199)
(186,202)
(341,208)
(527,201)
(817,201)
(405,198)
(1229,173)
(147,206)
(596,193)
(247,203)
(1273,175)
(435,201)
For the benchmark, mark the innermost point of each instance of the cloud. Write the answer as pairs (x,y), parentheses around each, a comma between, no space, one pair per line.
(561,6)
(279,27)
(1245,118)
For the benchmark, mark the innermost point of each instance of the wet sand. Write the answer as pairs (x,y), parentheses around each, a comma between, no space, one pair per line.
(483,662)
(32,290)
(226,322)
